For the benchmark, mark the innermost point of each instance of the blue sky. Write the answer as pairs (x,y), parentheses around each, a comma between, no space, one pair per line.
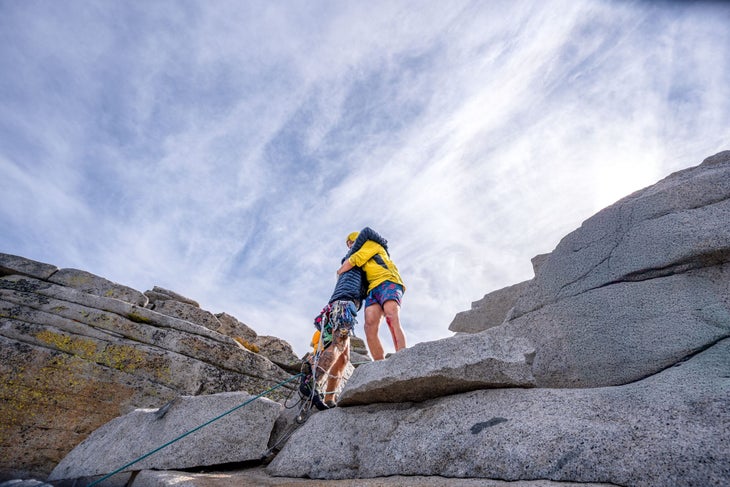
(225,149)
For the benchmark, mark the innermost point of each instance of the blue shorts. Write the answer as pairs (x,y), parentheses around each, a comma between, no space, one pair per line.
(385,291)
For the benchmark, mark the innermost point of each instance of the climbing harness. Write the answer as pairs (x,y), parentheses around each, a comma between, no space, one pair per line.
(336,320)
(336,316)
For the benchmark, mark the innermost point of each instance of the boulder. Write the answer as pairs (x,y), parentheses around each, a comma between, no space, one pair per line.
(258,477)
(89,283)
(639,286)
(626,331)
(13,264)
(233,328)
(538,261)
(439,368)
(678,224)
(669,429)
(279,352)
(187,432)
(161,294)
(358,346)
(357,359)
(275,349)
(488,312)
(187,312)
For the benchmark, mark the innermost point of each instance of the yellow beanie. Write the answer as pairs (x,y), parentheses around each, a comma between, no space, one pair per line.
(352,237)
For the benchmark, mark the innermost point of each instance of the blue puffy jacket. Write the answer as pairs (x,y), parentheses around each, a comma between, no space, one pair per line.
(351,286)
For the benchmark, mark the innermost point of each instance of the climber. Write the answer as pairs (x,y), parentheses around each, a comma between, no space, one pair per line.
(331,342)
(369,252)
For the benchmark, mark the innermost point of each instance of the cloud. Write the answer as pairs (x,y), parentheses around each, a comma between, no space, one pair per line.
(225,152)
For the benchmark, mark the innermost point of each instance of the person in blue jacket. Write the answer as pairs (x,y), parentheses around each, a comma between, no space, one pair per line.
(325,366)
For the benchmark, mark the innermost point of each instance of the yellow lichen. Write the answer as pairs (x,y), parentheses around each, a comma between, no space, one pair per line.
(121,357)
(247,345)
(81,347)
(137,318)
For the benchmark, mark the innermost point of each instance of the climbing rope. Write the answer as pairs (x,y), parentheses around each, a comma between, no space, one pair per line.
(194,430)
(337,317)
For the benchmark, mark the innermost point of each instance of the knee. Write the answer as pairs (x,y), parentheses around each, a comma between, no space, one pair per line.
(372,321)
(392,312)
(341,363)
(371,327)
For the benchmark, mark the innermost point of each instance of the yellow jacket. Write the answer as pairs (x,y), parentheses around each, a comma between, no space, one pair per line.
(373,259)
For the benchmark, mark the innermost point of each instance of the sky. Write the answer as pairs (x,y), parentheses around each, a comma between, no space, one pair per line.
(225,149)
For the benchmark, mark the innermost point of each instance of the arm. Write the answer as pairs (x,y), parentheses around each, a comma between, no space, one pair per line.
(346,266)
(359,258)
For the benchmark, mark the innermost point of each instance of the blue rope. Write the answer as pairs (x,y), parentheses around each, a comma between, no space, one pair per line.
(192,431)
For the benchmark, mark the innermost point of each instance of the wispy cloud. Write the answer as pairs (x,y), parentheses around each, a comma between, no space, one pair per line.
(224,151)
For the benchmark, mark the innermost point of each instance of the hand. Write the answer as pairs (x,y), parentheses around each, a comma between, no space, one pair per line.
(346,266)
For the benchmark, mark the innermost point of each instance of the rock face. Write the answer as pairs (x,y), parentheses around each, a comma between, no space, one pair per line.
(626,331)
(610,367)
(488,312)
(680,223)
(173,304)
(629,320)
(77,350)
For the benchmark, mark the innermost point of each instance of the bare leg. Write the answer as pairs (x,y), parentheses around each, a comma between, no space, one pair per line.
(392,317)
(342,352)
(326,359)
(373,315)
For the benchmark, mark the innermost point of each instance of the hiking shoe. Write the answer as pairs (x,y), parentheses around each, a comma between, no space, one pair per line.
(317,401)
(304,386)
(330,404)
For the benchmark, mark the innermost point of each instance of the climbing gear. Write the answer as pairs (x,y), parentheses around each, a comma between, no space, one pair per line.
(336,316)
(308,386)
(337,319)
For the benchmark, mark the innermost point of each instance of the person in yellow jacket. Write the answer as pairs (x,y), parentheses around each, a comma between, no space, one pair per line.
(369,251)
